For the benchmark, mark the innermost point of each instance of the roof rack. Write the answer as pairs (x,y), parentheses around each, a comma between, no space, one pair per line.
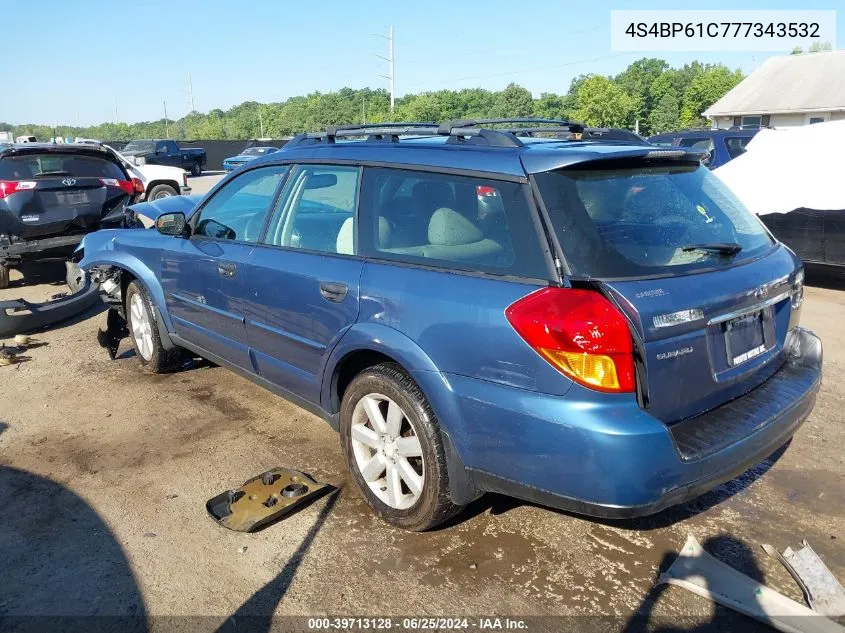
(473,131)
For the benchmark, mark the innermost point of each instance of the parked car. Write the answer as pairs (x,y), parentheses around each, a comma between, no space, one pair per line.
(721,145)
(250,153)
(52,195)
(159,181)
(620,336)
(166,152)
(792,179)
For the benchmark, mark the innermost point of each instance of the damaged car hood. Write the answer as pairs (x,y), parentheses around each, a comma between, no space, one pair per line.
(172,204)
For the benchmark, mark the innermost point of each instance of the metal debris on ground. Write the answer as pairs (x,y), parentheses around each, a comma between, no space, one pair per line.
(116,330)
(706,576)
(821,589)
(264,499)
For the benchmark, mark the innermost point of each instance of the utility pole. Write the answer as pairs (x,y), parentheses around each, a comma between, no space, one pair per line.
(116,115)
(191,94)
(389,60)
(363,110)
(261,122)
(166,128)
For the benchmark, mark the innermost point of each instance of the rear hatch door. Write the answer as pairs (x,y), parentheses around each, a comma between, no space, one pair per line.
(61,192)
(706,288)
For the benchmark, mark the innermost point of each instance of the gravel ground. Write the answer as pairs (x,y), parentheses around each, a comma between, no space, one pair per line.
(105,471)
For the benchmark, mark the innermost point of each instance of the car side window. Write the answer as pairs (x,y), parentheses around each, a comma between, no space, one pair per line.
(736,145)
(238,210)
(161,147)
(317,210)
(449,221)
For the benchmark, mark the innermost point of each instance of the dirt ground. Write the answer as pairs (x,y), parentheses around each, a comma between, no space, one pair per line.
(105,471)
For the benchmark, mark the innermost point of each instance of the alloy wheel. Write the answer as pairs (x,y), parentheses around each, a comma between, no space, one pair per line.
(387,451)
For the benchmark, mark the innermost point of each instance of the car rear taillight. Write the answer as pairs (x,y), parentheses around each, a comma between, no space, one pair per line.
(137,185)
(484,191)
(8,187)
(580,333)
(127,185)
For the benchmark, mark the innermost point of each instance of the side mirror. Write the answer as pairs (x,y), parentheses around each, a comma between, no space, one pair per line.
(171,223)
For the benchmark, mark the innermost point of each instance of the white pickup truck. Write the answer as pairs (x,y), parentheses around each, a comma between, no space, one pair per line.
(159,181)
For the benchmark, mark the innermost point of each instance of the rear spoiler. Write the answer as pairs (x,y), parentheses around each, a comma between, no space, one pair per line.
(542,161)
(173,204)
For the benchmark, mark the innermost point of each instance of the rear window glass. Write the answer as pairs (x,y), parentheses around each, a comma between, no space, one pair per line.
(736,145)
(139,146)
(643,221)
(27,166)
(449,221)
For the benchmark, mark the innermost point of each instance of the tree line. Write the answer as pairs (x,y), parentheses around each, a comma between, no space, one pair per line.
(648,93)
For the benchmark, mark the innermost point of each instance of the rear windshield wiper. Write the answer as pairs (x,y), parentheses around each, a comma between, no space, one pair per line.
(723,248)
(47,174)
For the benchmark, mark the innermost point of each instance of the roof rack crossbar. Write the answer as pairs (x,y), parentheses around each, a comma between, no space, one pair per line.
(392,131)
(483,122)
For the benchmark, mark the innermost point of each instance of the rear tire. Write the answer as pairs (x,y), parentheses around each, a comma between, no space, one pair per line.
(4,277)
(161,191)
(143,330)
(406,481)
(196,169)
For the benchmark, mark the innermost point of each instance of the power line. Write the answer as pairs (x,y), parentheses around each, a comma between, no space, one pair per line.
(521,70)
(487,51)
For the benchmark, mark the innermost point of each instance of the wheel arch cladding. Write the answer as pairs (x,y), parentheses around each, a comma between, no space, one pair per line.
(368,344)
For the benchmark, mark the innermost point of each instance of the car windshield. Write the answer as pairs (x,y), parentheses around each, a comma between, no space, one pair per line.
(139,146)
(256,151)
(633,221)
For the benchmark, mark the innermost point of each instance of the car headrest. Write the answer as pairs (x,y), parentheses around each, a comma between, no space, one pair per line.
(433,194)
(447,227)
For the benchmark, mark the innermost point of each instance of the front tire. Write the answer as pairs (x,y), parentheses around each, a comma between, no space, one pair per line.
(4,277)
(143,330)
(391,440)
(161,191)
(196,169)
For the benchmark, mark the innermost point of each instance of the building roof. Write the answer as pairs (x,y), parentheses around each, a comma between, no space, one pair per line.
(811,82)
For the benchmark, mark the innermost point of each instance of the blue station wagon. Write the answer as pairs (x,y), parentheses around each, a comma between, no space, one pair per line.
(592,325)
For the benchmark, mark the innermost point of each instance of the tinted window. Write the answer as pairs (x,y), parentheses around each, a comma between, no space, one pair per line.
(451,221)
(629,222)
(139,147)
(736,145)
(316,210)
(237,211)
(59,165)
(700,143)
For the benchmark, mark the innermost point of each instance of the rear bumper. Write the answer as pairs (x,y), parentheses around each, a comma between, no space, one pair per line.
(22,249)
(610,458)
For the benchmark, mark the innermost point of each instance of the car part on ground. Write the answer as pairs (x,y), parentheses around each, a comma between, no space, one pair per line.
(18,315)
(266,498)
(701,573)
(821,589)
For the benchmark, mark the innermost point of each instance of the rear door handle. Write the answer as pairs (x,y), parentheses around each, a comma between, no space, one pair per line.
(334,292)
(227,270)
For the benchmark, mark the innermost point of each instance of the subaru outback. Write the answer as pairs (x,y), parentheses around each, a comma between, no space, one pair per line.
(591,325)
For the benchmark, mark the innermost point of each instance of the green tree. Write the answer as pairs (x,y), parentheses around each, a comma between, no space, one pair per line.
(666,116)
(704,90)
(513,101)
(637,80)
(550,106)
(820,47)
(601,102)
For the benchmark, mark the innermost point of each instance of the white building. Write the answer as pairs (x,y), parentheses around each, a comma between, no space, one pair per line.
(785,91)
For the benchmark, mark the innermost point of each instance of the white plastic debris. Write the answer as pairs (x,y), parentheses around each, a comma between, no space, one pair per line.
(701,573)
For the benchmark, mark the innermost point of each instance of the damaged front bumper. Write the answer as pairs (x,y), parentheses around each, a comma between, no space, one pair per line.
(18,315)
